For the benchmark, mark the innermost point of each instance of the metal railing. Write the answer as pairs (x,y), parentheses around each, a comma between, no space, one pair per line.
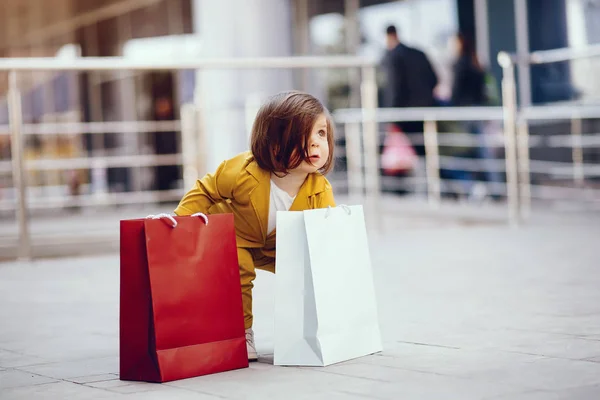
(191,158)
(361,127)
(520,119)
(91,163)
(434,141)
(430,138)
(515,140)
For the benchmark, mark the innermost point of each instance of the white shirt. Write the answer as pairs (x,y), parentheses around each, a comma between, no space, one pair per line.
(280,201)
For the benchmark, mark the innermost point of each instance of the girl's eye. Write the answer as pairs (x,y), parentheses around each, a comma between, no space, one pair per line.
(322,133)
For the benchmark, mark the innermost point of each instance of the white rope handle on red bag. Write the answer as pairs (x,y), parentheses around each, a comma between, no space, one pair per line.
(342,206)
(173,222)
(203,216)
(164,215)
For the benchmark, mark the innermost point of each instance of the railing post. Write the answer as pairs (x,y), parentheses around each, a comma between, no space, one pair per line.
(18,165)
(509,105)
(188,145)
(577,151)
(524,168)
(354,161)
(371,138)
(432,164)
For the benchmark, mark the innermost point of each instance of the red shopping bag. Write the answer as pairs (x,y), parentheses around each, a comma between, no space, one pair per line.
(180,303)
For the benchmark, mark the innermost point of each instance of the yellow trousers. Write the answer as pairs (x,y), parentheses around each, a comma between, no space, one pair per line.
(249,259)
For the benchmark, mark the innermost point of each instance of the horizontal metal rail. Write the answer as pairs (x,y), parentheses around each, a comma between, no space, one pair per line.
(122,63)
(383,115)
(146,160)
(537,166)
(542,192)
(356,115)
(456,139)
(90,200)
(68,128)
(554,55)
(560,112)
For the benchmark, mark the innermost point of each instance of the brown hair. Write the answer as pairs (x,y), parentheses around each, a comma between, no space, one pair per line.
(282,129)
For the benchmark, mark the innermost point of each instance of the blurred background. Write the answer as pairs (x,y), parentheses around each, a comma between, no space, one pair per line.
(81,148)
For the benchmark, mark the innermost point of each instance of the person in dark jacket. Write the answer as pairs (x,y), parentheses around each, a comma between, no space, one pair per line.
(410,80)
(469,89)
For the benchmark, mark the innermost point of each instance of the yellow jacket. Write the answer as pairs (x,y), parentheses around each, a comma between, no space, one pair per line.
(241,187)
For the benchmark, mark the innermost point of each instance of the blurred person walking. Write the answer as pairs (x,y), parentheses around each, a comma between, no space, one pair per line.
(410,81)
(469,89)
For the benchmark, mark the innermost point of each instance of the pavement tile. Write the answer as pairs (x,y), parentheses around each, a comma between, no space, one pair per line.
(428,386)
(94,378)
(146,390)
(580,393)
(549,345)
(164,392)
(453,362)
(110,383)
(54,391)
(545,374)
(68,347)
(261,384)
(74,369)
(14,378)
(13,359)
(119,386)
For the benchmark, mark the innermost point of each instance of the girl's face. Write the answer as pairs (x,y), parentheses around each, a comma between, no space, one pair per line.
(318,147)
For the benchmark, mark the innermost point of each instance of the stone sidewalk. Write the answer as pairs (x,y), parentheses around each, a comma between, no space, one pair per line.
(467,311)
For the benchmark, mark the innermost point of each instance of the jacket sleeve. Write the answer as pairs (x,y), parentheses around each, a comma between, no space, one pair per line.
(211,189)
(397,82)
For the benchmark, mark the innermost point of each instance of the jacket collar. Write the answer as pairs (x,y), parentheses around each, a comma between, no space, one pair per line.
(260,195)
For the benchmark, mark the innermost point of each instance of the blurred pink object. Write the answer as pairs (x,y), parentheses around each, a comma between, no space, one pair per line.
(398,155)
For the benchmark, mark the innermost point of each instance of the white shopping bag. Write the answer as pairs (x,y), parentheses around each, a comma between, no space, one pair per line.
(325,308)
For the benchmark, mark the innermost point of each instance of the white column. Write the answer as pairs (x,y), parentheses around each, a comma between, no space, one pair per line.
(238,28)
(522,34)
(351,9)
(482,32)
(301,41)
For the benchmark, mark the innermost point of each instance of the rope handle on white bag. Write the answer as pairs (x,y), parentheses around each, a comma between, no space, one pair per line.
(164,215)
(203,216)
(342,206)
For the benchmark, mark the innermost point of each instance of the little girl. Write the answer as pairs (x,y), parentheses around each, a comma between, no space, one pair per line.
(291,150)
